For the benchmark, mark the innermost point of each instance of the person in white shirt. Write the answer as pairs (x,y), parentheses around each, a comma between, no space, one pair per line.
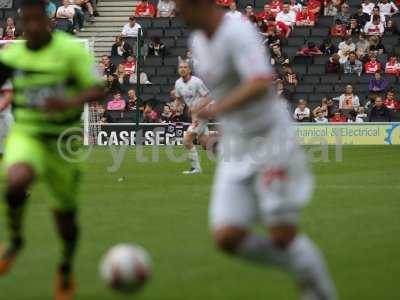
(374,27)
(131,29)
(376,12)
(66,11)
(368,6)
(388,8)
(166,9)
(295,6)
(286,16)
(261,177)
(302,112)
(319,117)
(233,12)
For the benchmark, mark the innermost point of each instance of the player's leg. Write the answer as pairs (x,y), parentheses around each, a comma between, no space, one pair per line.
(193,155)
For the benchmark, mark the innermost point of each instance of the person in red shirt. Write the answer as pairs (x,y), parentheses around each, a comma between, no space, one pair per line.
(276,6)
(372,66)
(224,3)
(338,117)
(130,65)
(282,30)
(9,35)
(145,9)
(393,66)
(391,102)
(305,17)
(266,13)
(339,30)
(314,6)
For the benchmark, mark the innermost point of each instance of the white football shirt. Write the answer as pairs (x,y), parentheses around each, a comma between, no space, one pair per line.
(191,91)
(233,55)
(7,87)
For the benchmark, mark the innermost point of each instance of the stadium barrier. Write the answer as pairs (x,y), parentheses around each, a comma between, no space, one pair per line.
(307,133)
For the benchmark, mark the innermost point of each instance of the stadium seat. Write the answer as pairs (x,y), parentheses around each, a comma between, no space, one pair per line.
(144,22)
(320,31)
(317,40)
(305,88)
(165,89)
(159,80)
(171,61)
(297,96)
(316,70)
(150,71)
(296,41)
(330,79)
(360,88)
(301,32)
(181,42)
(161,23)
(154,32)
(177,23)
(243,3)
(185,33)
(392,79)
(153,61)
(172,32)
(300,69)
(321,59)
(349,78)
(323,88)
(151,89)
(168,42)
(325,21)
(291,51)
(365,78)
(339,88)
(302,60)
(390,40)
(116,60)
(165,71)
(178,51)
(310,79)
(316,98)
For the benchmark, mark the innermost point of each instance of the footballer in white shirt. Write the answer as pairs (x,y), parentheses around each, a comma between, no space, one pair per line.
(262,174)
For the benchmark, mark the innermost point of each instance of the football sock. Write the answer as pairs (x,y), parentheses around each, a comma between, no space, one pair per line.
(68,230)
(301,258)
(15,213)
(194,158)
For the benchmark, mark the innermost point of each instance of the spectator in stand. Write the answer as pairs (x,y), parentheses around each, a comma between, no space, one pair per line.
(9,26)
(112,84)
(51,9)
(348,100)
(319,117)
(149,115)
(338,117)
(121,75)
(391,102)
(249,11)
(166,114)
(302,112)
(295,6)
(339,30)
(344,14)
(388,8)
(282,30)
(156,47)
(276,6)
(372,66)
(88,5)
(107,66)
(286,16)
(278,57)
(368,6)
(330,9)
(353,117)
(379,113)
(310,50)
(130,65)
(327,107)
(375,27)
(376,12)
(233,12)
(266,13)
(145,9)
(166,9)
(391,27)
(361,17)
(393,66)
(79,16)
(362,46)
(331,107)
(327,48)
(289,77)
(271,38)
(375,46)
(314,6)
(131,105)
(131,29)
(361,113)
(354,28)
(9,36)
(224,3)
(345,48)
(120,48)
(67,12)
(305,17)
(333,65)
(378,84)
(117,103)
(353,65)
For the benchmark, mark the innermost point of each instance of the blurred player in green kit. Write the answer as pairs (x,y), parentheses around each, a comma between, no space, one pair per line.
(52,77)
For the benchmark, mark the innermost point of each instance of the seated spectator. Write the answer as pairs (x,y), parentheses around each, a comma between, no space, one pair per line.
(295,6)
(166,115)
(131,105)
(88,5)
(276,6)
(378,84)
(362,46)
(131,29)
(51,9)
(392,66)
(234,13)
(265,14)
(391,27)
(149,115)
(112,84)
(319,117)
(391,102)
(361,113)
(353,65)
(374,27)
(345,48)
(375,46)
(354,118)
(354,27)
(367,6)
(327,48)
(388,8)
(314,6)
(156,47)
(263,28)
(280,89)
(372,66)
(305,17)
(271,38)
(166,9)
(79,16)
(145,9)
(9,26)
(361,17)
(348,100)
(249,11)
(143,78)
(338,117)
(344,14)
(67,12)
(327,107)
(376,12)
(289,77)
(130,65)
(282,30)
(302,112)
(379,112)
(310,50)
(120,48)
(117,103)
(9,35)
(278,57)
(122,75)
(330,9)
(339,29)
(107,66)
(286,16)
(333,65)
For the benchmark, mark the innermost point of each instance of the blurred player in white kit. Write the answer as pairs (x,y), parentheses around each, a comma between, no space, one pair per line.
(192,91)
(6,117)
(262,174)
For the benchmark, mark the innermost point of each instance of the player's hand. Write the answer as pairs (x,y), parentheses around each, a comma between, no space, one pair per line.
(208,112)
(58,104)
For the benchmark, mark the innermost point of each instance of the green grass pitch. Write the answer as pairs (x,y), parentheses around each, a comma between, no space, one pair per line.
(354,217)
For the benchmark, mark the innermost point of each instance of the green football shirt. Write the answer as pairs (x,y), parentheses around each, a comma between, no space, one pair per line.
(64,67)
